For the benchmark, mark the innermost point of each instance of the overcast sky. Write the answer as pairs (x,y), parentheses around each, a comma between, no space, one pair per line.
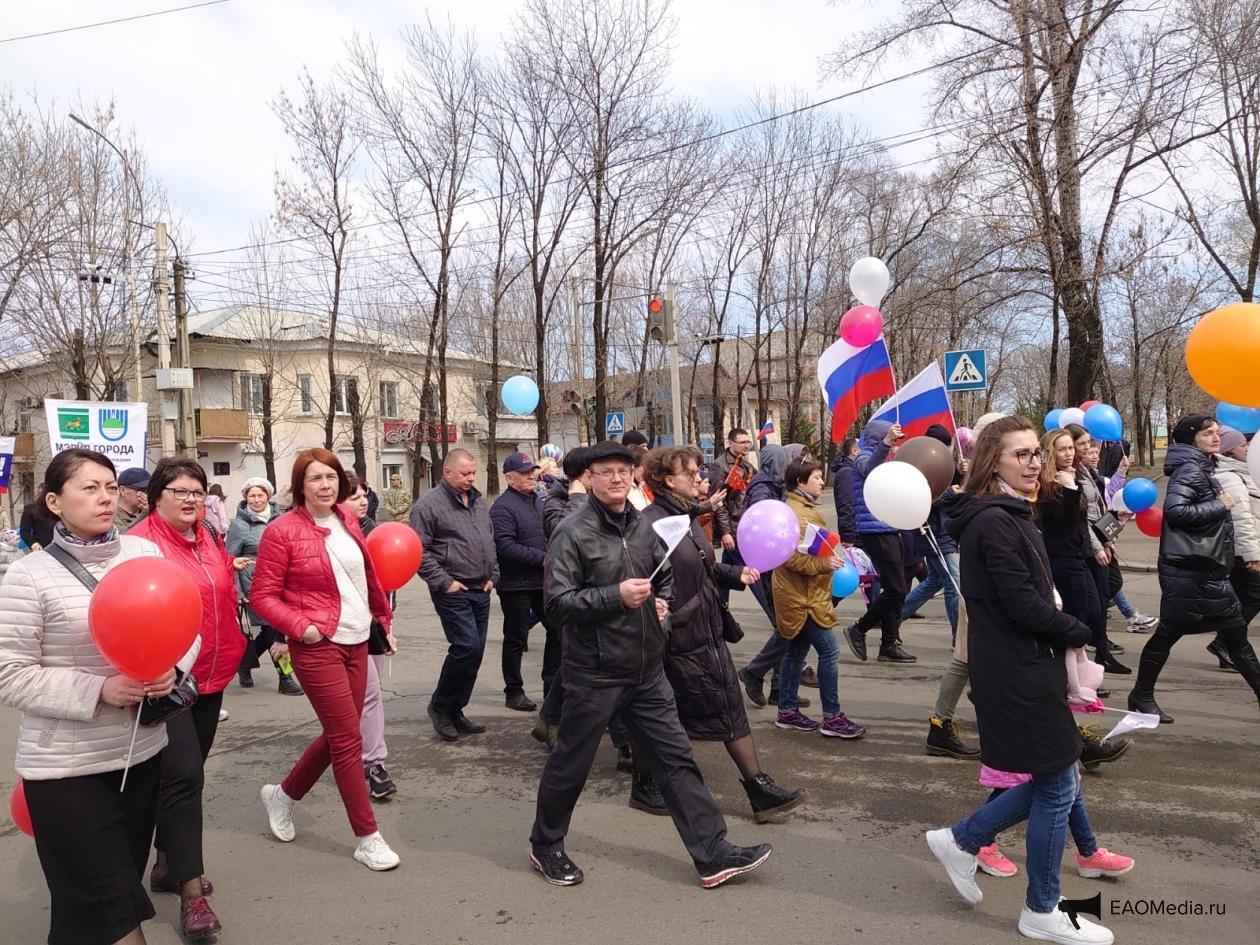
(196,84)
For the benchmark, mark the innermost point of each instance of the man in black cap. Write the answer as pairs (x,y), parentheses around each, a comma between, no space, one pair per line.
(607,583)
(518,539)
(133,500)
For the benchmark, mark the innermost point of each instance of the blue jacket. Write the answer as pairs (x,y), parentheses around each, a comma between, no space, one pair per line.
(768,482)
(874,452)
(842,490)
(518,540)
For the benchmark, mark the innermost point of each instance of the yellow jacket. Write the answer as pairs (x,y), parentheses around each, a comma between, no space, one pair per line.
(802,584)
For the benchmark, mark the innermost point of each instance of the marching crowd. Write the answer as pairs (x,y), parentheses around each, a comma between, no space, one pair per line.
(636,640)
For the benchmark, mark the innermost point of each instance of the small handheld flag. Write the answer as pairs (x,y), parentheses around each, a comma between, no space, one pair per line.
(735,480)
(671,529)
(818,542)
(766,428)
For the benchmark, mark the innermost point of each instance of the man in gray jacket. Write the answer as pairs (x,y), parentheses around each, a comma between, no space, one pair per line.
(461,568)
(607,581)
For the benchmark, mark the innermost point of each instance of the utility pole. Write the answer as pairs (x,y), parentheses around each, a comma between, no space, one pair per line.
(162,296)
(188,426)
(577,361)
(674,383)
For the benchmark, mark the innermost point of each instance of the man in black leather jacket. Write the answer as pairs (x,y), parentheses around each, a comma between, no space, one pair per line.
(597,587)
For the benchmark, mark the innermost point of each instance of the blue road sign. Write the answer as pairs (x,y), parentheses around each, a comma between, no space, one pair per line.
(614,424)
(966,370)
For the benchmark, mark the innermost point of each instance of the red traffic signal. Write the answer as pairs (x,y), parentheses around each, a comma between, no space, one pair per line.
(655,306)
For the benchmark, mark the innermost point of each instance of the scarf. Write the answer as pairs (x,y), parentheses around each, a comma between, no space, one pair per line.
(1016,493)
(265,514)
(83,542)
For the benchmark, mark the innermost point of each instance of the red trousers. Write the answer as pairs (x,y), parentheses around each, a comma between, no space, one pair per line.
(334,678)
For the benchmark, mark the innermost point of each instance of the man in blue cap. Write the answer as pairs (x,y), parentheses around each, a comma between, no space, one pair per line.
(133,501)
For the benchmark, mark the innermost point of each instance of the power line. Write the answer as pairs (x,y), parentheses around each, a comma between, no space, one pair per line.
(124,19)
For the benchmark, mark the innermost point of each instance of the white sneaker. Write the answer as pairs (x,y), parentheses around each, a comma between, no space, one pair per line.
(1140,623)
(224,715)
(1057,926)
(959,864)
(374,853)
(279,813)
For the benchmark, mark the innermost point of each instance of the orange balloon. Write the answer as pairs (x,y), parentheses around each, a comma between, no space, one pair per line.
(1223,353)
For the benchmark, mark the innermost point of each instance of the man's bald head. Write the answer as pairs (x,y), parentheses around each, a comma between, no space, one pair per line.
(459,470)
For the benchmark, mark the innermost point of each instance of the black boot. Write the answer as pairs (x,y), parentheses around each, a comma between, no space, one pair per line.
(1248,667)
(1142,698)
(1217,649)
(247,678)
(768,799)
(943,740)
(646,796)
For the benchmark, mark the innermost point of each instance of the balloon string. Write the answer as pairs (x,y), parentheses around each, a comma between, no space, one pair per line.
(135,729)
(927,530)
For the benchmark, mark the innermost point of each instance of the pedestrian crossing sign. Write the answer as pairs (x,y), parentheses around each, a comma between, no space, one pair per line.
(966,370)
(614,424)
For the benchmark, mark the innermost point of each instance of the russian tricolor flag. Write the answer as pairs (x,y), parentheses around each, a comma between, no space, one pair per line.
(766,428)
(919,404)
(851,377)
(818,542)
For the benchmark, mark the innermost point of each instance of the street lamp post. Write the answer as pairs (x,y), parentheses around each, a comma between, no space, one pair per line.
(128,182)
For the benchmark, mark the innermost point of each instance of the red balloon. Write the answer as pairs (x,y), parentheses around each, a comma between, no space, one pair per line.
(396,554)
(1150,522)
(144,615)
(861,325)
(18,810)
(1090,403)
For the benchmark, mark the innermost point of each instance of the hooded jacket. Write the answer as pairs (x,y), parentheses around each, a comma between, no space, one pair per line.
(604,643)
(243,537)
(1235,478)
(842,492)
(874,453)
(1016,637)
(209,565)
(802,584)
(768,481)
(1204,599)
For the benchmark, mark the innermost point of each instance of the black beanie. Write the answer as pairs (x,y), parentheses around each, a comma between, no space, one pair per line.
(938,432)
(1185,431)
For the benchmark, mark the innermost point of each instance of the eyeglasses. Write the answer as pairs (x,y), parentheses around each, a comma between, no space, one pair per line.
(609,474)
(183,495)
(693,474)
(1025,457)
(742,442)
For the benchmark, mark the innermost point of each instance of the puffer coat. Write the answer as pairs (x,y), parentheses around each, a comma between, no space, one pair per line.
(52,672)
(874,453)
(243,538)
(698,663)
(1198,601)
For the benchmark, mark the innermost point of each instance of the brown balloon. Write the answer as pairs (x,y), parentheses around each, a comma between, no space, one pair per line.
(932,458)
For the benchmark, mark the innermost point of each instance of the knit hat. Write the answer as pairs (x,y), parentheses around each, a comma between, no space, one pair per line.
(1189,427)
(260,483)
(633,438)
(1231,439)
(938,432)
(978,427)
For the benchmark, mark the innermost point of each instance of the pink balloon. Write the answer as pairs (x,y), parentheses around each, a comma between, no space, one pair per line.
(861,325)
(768,534)
(965,437)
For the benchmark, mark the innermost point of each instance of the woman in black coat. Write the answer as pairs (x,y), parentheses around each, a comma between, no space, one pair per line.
(1196,555)
(1016,646)
(697,661)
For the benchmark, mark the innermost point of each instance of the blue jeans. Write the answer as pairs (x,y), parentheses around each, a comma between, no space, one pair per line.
(824,641)
(465,617)
(939,578)
(735,558)
(1046,802)
(1078,822)
(1122,602)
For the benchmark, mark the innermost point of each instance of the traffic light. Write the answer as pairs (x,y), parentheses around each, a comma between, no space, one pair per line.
(590,403)
(660,319)
(574,400)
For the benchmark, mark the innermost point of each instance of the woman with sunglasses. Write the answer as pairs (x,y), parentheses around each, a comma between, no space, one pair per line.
(177,492)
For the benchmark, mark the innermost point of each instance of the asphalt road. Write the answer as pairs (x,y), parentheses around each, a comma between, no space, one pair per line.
(850,865)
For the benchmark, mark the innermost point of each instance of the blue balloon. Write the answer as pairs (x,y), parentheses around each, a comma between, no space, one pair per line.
(1140,495)
(844,580)
(520,395)
(1052,420)
(1246,420)
(1103,423)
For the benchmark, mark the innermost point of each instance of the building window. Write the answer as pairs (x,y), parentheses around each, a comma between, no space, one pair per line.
(119,393)
(252,394)
(24,410)
(388,471)
(389,400)
(305,399)
(223,469)
(346,395)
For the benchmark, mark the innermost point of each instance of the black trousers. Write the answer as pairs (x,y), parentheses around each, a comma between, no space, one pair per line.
(516,609)
(649,712)
(887,553)
(1102,590)
(190,735)
(1234,637)
(93,844)
(1247,587)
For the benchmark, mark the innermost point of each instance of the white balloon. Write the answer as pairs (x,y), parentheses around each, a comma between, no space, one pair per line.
(869,280)
(1117,503)
(1253,457)
(1072,415)
(898,495)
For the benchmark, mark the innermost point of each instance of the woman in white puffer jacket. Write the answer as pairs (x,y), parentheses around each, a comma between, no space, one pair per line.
(79,717)
(1235,478)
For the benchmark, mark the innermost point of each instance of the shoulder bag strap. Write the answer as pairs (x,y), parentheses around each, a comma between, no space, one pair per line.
(71,564)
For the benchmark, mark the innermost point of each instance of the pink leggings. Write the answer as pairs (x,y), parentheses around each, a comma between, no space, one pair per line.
(372,722)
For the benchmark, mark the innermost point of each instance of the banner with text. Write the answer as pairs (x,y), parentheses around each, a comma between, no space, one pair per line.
(117,430)
(8,446)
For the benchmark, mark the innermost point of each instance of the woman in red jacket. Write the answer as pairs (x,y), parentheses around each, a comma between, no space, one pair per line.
(314,583)
(177,492)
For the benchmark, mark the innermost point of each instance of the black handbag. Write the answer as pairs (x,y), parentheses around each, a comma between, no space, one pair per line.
(732,632)
(1107,528)
(153,711)
(1209,550)
(378,641)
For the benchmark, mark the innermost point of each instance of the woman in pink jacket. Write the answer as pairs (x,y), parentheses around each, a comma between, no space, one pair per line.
(314,583)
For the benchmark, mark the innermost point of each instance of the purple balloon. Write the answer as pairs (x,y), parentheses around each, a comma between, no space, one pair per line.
(768,534)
